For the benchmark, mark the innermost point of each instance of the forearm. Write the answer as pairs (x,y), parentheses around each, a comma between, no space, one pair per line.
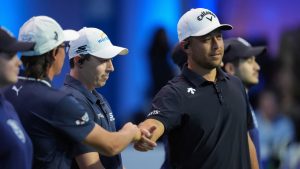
(252,152)
(112,143)
(89,160)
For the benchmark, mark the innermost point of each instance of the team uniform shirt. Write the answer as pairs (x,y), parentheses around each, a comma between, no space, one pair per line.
(54,121)
(99,111)
(15,144)
(206,122)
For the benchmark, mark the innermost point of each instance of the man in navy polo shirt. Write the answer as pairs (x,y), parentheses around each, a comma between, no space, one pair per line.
(203,111)
(15,145)
(91,63)
(54,120)
(239,60)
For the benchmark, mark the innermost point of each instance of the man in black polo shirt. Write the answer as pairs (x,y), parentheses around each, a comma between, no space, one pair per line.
(203,111)
(91,63)
(54,120)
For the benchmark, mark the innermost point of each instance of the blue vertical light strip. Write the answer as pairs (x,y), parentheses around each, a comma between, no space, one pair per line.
(11,14)
(208,4)
(138,21)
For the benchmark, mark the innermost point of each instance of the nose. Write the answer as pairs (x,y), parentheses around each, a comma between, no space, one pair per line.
(217,42)
(257,67)
(110,66)
(18,62)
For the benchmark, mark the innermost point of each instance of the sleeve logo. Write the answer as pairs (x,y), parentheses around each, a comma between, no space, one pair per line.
(154,112)
(83,120)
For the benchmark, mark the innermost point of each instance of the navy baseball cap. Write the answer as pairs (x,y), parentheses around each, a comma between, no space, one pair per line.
(9,44)
(239,48)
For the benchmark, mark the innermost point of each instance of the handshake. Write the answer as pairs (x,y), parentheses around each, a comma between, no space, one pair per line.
(142,136)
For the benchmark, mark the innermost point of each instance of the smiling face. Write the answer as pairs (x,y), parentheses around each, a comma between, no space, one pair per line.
(206,51)
(9,69)
(94,72)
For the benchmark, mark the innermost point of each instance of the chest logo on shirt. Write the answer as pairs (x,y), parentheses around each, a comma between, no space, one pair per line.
(100,116)
(16,89)
(83,120)
(191,90)
(111,117)
(16,129)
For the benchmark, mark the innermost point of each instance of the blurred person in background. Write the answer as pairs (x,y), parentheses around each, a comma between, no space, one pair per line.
(15,145)
(239,60)
(291,158)
(54,120)
(276,130)
(91,64)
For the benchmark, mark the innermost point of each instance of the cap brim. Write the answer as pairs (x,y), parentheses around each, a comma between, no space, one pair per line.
(20,46)
(212,28)
(70,35)
(110,52)
(256,51)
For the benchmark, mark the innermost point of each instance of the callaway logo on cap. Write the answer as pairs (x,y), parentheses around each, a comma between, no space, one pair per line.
(95,42)
(198,22)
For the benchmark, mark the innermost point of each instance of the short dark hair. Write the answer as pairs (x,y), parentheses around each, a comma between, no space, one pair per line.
(83,58)
(37,66)
(179,56)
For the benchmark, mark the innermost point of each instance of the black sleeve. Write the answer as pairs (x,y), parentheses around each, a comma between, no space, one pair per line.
(250,118)
(166,108)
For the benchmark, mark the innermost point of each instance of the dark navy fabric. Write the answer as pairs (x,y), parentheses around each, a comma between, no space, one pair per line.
(206,122)
(254,134)
(15,144)
(54,121)
(99,111)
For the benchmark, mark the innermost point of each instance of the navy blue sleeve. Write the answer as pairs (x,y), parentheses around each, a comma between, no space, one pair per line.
(72,118)
(81,148)
(166,108)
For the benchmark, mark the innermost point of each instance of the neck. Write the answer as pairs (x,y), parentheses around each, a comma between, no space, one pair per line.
(51,73)
(75,74)
(208,74)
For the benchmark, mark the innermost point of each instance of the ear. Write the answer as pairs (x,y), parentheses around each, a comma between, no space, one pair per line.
(185,46)
(76,59)
(229,68)
(54,53)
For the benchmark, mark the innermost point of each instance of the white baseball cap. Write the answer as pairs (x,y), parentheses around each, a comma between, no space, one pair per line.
(95,42)
(46,33)
(198,22)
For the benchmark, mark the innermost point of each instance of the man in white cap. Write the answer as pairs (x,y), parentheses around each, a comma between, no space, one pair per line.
(54,120)
(91,63)
(203,111)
